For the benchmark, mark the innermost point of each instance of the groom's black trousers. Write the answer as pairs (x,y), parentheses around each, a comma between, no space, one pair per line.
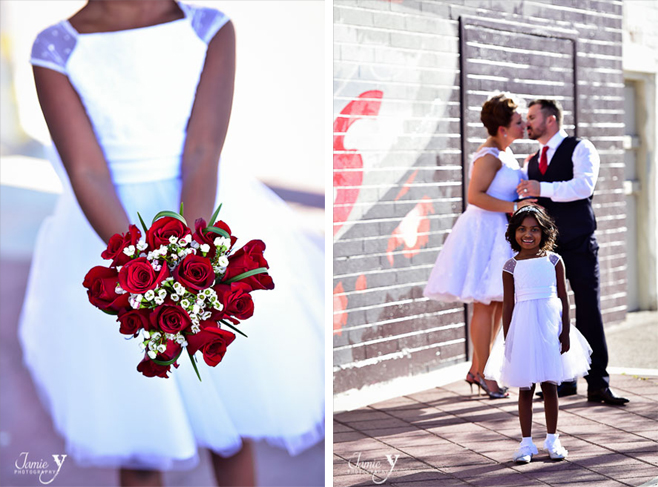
(581,261)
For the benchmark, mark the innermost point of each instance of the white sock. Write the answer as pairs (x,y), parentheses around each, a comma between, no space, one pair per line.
(550,438)
(526,440)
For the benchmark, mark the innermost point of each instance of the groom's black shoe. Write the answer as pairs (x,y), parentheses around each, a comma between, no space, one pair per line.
(563,390)
(607,396)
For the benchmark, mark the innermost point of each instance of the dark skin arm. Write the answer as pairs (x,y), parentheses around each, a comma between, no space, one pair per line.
(564,297)
(83,159)
(206,129)
(508,301)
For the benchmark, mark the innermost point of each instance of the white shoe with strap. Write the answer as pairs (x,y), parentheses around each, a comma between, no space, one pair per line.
(525,452)
(555,449)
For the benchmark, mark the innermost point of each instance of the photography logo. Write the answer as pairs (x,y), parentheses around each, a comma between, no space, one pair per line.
(46,471)
(380,471)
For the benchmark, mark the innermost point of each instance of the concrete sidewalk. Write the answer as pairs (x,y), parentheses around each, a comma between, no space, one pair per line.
(448,436)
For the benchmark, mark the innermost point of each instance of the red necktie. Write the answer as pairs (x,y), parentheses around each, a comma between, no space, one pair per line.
(543,161)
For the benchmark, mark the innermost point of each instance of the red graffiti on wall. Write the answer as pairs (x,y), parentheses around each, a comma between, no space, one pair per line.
(413,231)
(340,305)
(348,164)
(361,283)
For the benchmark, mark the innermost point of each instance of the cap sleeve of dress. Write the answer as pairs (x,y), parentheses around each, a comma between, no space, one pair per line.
(206,21)
(509,266)
(554,258)
(53,47)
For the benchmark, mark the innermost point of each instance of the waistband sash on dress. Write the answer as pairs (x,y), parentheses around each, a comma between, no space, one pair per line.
(530,293)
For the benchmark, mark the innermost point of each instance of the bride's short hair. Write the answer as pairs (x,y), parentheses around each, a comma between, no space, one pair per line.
(497,111)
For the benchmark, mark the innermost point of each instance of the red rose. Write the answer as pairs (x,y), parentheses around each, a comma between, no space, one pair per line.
(138,276)
(236,300)
(164,228)
(209,238)
(212,341)
(101,283)
(169,318)
(195,273)
(150,369)
(118,242)
(250,257)
(134,320)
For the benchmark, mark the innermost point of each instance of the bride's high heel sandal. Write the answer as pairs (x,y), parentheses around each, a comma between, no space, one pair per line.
(472,381)
(499,394)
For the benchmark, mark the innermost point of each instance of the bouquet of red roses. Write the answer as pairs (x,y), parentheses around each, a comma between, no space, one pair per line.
(179,289)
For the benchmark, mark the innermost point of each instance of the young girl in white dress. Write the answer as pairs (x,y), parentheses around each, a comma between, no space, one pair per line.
(137,97)
(539,344)
(467,268)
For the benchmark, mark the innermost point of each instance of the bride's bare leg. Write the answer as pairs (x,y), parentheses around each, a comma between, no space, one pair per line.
(481,334)
(237,470)
(497,322)
(142,478)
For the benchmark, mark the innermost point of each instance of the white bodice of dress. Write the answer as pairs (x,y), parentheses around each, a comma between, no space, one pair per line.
(534,278)
(503,186)
(137,86)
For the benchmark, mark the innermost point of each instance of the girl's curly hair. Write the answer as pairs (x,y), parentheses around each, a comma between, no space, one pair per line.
(549,231)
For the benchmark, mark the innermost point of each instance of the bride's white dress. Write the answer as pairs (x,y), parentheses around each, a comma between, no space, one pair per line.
(469,266)
(138,87)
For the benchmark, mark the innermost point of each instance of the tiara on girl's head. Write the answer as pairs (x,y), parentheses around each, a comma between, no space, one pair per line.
(532,208)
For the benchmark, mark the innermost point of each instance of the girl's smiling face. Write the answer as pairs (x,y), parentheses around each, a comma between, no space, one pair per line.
(528,234)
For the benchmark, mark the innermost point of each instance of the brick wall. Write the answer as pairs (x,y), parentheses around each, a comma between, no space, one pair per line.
(400,155)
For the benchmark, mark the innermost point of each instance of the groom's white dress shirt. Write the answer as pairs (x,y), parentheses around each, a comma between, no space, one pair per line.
(586,163)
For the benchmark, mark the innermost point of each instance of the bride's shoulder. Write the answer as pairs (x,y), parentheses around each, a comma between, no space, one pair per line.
(486,155)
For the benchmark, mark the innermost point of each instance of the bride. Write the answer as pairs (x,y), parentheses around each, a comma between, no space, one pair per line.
(137,97)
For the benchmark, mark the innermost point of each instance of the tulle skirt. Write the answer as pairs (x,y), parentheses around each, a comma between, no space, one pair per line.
(531,352)
(269,385)
(469,266)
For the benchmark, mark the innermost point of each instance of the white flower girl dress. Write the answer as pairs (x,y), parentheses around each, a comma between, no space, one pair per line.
(138,87)
(531,352)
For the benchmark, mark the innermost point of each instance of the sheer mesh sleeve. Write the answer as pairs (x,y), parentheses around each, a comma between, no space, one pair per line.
(554,258)
(206,22)
(53,47)
(509,266)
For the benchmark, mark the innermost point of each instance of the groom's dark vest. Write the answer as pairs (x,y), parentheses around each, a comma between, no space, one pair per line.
(575,218)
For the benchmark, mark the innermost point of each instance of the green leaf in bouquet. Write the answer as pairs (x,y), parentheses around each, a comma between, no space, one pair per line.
(193,360)
(218,230)
(244,275)
(224,322)
(172,214)
(167,362)
(109,312)
(181,209)
(143,224)
(214,215)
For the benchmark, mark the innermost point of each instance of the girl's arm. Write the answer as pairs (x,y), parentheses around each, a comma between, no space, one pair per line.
(508,301)
(78,148)
(484,171)
(206,129)
(564,297)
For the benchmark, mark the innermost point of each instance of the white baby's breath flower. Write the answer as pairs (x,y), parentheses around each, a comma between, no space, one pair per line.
(206,315)
(129,251)
(174,257)
(162,347)
(142,245)
(173,239)
(196,309)
(222,261)
(200,298)
(195,328)
(119,267)
(185,303)
(175,297)
(142,254)
(159,300)
(149,295)
(146,334)
(156,335)
(162,293)
(156,266)
(119,289)
(204,247)
(184,344)
(142,346)
(150,255)
(152,354)
(152,345)
(194,244)
(163,250)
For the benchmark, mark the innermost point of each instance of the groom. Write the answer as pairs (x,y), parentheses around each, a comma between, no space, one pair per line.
(563,175)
